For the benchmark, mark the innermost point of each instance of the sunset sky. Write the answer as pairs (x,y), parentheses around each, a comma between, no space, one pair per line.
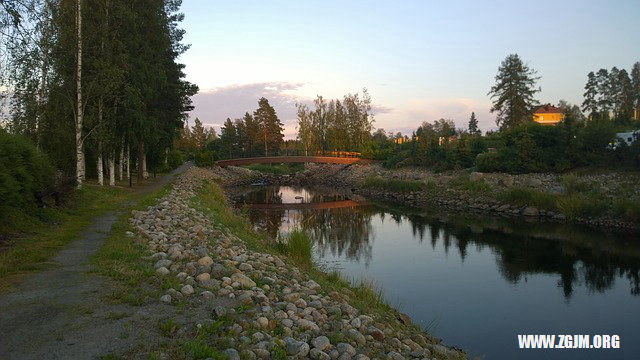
(420,60)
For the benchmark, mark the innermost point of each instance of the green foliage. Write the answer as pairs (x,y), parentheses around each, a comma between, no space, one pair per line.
(579,205)
(23,171)
(298,247)
(169,327)
(205,158)
(277,169)
(628,209)
(198,349)
(395,185)
(529,197)
(464,183)
(175,158)
(573,185)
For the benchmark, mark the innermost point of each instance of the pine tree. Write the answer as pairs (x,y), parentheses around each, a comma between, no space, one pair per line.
(252,135)
(590,103)
(270,126)
(228,138)
(635,85)
(513,93)
(625,97)
(198,135)
(615,91)
(603,86)
(473,125)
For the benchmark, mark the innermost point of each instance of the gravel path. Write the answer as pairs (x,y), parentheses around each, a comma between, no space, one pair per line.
(61,313)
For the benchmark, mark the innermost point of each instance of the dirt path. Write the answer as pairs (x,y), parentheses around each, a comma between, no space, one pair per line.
(61,313)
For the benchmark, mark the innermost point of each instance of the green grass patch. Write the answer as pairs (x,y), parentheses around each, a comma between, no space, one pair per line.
(464,183)
(529,197)
(397,185)
(579,205)
(30,240)
(297,246)
(627,209)
(573,185)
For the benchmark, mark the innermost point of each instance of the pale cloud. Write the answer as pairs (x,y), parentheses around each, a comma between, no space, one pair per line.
(409,115)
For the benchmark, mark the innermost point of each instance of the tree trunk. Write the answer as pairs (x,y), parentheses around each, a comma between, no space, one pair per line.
(99,163)
(79,110)
(44,71)
(145,174)
(112,168)
(140,154)
(128,161)
(120,161)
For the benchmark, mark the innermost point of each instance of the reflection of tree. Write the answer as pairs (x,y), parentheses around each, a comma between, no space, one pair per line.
(518,255)
(341,232)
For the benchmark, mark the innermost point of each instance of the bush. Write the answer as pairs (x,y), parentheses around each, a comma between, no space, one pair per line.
(576,205)
(23,171)
(175,158)
(205,158)
(298,246)
(528,197)
(395,185)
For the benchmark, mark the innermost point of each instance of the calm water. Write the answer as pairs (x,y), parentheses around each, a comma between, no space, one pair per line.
(475,283)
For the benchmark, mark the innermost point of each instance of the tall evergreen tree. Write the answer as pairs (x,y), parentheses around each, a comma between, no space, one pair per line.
(635,85)
(252,135)
(603,87)
(513,93)
(624,99)
(270,126)
(228,138)
(590,103)
(473,125)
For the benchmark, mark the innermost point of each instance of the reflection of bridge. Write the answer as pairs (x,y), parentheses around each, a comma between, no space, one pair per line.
(307,206)
(288,159)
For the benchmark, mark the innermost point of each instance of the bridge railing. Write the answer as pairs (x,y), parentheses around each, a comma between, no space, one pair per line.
(291,152)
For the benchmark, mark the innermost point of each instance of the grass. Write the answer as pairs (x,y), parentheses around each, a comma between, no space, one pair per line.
(34,238)
(397,185)
(572,185)
(122,259)
(627,209)
(297,246)
(277,169)
(464,183)
(529,197)
(579,205)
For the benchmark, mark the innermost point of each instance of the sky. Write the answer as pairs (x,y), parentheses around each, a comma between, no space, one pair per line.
(419,60)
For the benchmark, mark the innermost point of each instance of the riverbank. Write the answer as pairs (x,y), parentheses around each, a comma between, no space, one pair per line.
(260,303)
(603,200)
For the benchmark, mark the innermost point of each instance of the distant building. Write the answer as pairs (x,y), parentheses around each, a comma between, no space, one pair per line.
(627,138)
(548,115)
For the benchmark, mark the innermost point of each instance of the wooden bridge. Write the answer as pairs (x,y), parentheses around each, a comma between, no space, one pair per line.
(289,159)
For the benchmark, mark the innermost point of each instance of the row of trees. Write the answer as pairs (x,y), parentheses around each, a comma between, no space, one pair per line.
(260,134)
(95,80)
(335,125)
(612,94)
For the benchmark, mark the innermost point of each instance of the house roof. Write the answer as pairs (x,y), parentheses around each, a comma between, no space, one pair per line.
(547,109)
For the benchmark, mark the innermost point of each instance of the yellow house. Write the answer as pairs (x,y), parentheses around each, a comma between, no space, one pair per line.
(548,115)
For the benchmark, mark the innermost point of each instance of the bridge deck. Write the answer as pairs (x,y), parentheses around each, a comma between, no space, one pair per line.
(288,159)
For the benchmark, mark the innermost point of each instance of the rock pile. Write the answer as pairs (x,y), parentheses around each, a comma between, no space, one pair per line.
(273,308)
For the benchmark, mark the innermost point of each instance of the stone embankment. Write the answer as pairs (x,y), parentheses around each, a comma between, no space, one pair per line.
(260,305)
(457,191)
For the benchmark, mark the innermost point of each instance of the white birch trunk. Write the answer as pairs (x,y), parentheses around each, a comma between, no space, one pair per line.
(99,165)
(79,111)
(128,162)
(145,174)
(112,168)
(120,161)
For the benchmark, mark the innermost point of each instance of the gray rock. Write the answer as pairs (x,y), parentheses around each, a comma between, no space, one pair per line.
(346,348)
(318,354)
(295,347)
(163,263)
(530,211)
(243,280)
(232,354)
(162,271)
(357,336)
(392,355)
(165,298)
(476,176)
(219,311)
(187,290)
(321,343)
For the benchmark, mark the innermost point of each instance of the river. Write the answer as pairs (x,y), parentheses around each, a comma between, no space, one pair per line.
(474,282)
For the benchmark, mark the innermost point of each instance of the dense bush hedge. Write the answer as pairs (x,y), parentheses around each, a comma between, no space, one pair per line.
(205,158)
(23,171)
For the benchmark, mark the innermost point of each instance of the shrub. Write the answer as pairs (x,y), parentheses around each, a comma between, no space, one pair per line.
(529,197)
(395,185)
(175,158)
(205,158)
(23,171)
(573,185)
(298,246)
(576,205)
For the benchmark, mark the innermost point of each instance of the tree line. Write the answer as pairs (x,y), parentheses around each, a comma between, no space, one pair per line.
(95,83)
(335,125)
(257,134)
(612,94)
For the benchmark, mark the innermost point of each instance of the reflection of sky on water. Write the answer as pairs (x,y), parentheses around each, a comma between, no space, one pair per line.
(480,282)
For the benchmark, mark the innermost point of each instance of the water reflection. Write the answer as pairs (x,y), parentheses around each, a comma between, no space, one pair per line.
(521,250)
